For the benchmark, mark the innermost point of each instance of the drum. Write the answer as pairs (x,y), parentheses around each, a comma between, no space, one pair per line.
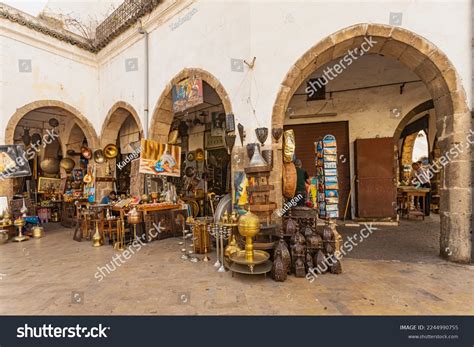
(289,180)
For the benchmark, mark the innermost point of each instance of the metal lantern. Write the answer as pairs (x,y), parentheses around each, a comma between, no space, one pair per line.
(251,149)
(36,139)
(267,155)
(230,142)
(53,122)
(240,127)
(26,136)
(230,122)
(276,133)
(262,134)
(257,159)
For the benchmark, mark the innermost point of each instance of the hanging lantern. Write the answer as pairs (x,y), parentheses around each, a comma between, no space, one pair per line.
(26,136)
(36,139)
(53,122)
(262,134)
(230,141)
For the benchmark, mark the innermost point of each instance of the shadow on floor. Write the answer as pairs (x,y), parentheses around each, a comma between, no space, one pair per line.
(411,241)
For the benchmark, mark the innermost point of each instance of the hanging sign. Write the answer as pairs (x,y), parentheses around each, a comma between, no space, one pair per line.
(160,159)
(187,93)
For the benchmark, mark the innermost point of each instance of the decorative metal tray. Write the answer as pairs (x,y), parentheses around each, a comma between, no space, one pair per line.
(258,257)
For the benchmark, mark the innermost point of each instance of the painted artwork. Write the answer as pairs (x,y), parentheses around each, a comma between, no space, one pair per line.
(13,161)
(240,187)
(46,185)
(187,93)
(160,159)
(218,124)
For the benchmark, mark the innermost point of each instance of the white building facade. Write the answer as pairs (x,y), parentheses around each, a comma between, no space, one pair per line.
(425,43)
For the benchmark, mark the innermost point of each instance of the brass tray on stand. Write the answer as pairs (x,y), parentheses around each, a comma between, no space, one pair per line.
(259,265)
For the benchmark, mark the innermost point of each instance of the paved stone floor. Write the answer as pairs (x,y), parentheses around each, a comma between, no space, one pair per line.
(56,275)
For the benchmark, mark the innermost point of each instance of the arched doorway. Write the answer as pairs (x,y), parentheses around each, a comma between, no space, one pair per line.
(452,117)
(163,113)
(122,128)
(200,131)
(49,131)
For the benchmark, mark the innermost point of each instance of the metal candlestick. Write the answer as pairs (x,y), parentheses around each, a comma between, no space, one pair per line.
(223,234)
(204,239)
(214,232)
(184,256)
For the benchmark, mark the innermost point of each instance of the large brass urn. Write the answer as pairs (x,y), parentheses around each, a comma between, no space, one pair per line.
(249,226)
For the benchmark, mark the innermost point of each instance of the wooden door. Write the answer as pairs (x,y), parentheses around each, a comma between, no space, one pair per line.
(307,134)
(375,188)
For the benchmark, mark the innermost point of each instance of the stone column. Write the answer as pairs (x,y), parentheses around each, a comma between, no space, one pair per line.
(456,188)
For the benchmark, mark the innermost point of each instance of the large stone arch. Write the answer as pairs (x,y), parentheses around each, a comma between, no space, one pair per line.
(82,121)
(163,112)
(453,120)
(114,120)
(423,107)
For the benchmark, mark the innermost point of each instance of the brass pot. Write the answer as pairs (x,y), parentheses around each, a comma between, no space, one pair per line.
(3,236)
(199,154)
(145,198)
(173,137)
(38,232)
(67,164)
(134,217)
(99,156)
(110,151)
(50,166)
(86,152)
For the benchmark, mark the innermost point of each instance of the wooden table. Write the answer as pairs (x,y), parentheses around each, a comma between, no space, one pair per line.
(408,195)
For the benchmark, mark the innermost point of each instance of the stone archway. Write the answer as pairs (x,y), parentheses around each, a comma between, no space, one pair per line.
(81,120)
(6,186)
(423,107)
(114,120)
(449,99)
(163,113)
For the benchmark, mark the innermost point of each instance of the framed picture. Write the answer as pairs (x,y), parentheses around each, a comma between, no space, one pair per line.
(13,161)
(160,159)
(46,184)
(212,142)
(218,123)
(187,93)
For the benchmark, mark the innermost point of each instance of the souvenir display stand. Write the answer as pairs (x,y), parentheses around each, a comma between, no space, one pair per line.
(326,173)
